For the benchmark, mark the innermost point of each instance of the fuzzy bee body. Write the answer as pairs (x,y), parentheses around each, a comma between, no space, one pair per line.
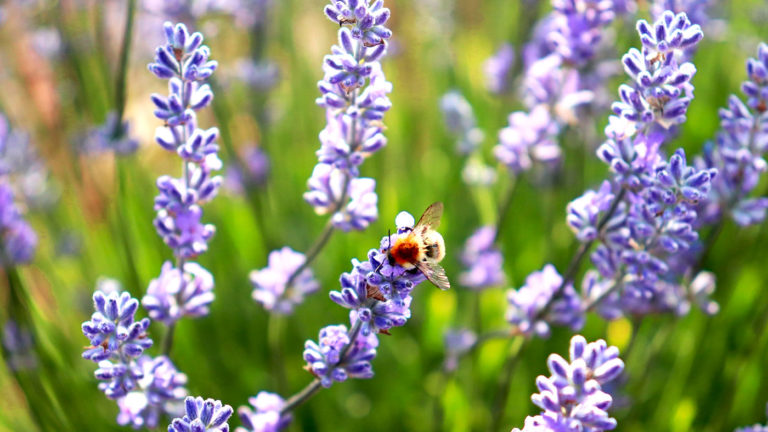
(423,248)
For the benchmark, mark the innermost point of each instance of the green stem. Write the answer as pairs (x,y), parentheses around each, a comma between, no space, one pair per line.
(122,69)
(275,331)
(504,208)
(168,340)
(502,394)
(124,230)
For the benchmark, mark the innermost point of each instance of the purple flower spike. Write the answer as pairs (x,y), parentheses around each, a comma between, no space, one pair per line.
(112,331)
(662,90)
(324,358)
(174,295)
(202,416)
(265,415)
(270,284)
(572,397)
(184,62)
(529,302)
(483,261)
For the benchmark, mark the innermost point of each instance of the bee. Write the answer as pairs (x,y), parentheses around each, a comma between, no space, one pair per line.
(423,248)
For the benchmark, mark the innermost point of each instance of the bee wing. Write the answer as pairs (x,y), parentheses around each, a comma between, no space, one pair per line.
(435,274)
(431,216)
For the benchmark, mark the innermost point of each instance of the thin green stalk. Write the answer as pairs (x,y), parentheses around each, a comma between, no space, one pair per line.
(122,69)
(275,339)
(504,208)
(504,383)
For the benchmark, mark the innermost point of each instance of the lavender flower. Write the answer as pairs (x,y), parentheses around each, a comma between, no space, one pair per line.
(19,240)
(354,94)
(327,188)
(330,361)
(483,260)
(530,312)
(111,137)
(270,285)
(460,121)
(498,68)
(662,90)
(739,149)
(160,391)
(252,172)
(577,28)
(530,137)
(18,162)
(457,343)
(18,347)
(366,17)
(184,61)
(112,329)
(695,9)
(174,295)
(378,292)
(583,212)
(265,417)
(202,416)
(572,398)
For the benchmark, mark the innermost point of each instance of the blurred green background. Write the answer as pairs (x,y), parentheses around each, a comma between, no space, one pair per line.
(691,373)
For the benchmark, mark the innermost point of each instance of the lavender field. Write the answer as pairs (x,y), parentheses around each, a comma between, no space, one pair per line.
(383,215)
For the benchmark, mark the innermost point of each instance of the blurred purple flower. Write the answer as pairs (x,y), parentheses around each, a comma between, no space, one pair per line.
(697,10)
(265,415)
(460,121)
(252,171)
(530,137)
(18,347)
(483,260)
(270,284)
(457,343)
(111,137)
(577,28)
(498,69)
